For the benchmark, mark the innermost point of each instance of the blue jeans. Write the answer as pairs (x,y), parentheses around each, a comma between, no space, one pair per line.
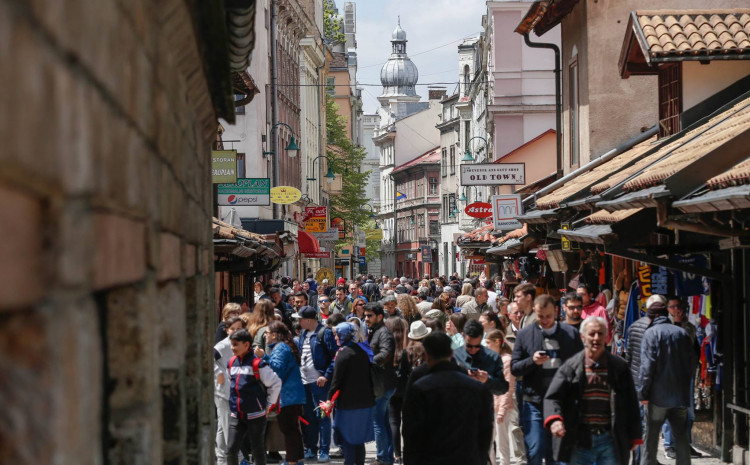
(354,454)
(537,438)
(382,426)
(602,451)
(318,427)
(666,430)
(655,417)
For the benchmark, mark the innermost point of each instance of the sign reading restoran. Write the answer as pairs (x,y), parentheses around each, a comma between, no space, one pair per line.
(224,166)
(504,210)
(493,174)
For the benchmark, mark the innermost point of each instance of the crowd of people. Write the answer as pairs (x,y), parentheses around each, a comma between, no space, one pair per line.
(444,371)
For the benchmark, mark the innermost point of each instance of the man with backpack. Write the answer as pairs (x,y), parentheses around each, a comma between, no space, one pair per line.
(317,346)
(370,290)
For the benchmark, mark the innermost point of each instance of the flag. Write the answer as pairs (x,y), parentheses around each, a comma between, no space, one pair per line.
(633,311)
(400,195)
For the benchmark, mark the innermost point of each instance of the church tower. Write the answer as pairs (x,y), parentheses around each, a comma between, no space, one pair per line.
(399,78)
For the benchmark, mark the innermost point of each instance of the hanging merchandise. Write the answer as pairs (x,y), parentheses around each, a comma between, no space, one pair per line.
(644,283)
(687,284)
(659,280)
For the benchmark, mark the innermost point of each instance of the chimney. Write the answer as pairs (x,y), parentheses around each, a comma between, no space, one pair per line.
(436,93)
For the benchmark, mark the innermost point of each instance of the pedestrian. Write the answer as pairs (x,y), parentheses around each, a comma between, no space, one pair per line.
(354,293)
(318,347)
(455,329)
(515,315)
(222,355)
(446,435)
(540,348)
(467,295)
(342,303)
(481,363)
(284,360)
(390,303)
(384,380)
(258,291)
(489,321)
(573,309)
(591,406)
(479,305)
(667,366)
(591,307)
(324,307)
(524,295)
(399,328)
(507,429)
(408,307)
(241,300)
(254,388)
(424,302)
(358,309)
(352,389)
(489,285)
(230,310)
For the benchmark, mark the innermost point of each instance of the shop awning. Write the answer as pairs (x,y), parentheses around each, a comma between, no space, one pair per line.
(308,243)
(238,250)
(597,227)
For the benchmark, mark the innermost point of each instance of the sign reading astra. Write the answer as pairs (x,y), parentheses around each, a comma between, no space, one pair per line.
(505,209)
(479,210)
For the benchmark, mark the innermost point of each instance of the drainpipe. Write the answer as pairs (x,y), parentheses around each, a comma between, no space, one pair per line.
(274,107)
(558,97)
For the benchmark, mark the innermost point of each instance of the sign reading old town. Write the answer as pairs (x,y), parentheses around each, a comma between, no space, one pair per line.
(493,174)
(505,208)
(479,210)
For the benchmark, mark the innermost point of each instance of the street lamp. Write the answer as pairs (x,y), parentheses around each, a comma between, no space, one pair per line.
(372,214)
(467,156)
(330,175)
(292,148)
(463,197)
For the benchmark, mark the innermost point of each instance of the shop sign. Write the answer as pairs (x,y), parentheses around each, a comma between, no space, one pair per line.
(374,234)
(224,166)
(426,253)
(479,210)
(362,262)
(474,257)
(504,210)
(478,262)
(362,251)
(340,224)
(316,219)
(284,195)
(567,244)
(324,273)
(332,234)
(317,254)
(493,174)
(245,192)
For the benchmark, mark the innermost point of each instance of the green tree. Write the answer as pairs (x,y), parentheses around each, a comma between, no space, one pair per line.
(333,25)
(345,159)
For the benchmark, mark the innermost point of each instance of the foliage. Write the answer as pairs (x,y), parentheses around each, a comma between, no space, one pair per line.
(346,159)
(333,25)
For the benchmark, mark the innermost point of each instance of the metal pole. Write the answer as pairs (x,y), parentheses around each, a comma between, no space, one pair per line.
(274,106)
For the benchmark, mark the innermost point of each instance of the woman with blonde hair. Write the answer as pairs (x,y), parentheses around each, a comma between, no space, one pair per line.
(408,308)
(230,310)
(467,295)
(263,315)
(506,413)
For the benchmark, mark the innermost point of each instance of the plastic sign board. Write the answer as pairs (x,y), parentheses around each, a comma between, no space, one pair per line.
(426,253)
(340,224)
(504,210)
(479,210)
(316,219)
(374,234)
(493,174)
(332,234)
(245,192)
(325,273)
(224,166)
(284,195)
(317,254)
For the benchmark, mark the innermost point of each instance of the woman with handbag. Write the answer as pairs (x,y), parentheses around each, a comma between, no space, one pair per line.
(284,359)
(352,395)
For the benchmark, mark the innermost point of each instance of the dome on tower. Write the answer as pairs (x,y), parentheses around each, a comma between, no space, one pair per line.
(399,74)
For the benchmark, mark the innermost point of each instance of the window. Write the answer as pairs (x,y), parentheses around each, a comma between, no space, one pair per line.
(574,114)
(453,159)
(240,165)
(433,186)
(241,109)
(444,164)
(434,228)
(331,86)
(445,208)
(452,206)
(467,77)
(670,98)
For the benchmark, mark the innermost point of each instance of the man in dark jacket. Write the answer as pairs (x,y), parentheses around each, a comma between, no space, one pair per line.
(465,411)
(383,345)
(577,406)
(540,349)
(481,363)
(316,368)
(667,365)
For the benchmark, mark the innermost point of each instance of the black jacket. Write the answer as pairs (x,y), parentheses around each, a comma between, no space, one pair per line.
(447,419)
(529,340)
(633,353)
(383,345)
(487,360)
(351,376)
(564,400)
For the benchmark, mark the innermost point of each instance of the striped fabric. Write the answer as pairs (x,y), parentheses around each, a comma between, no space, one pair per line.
(595,410)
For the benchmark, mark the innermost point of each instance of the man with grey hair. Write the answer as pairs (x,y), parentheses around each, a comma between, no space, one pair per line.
(476,307)
(389,304)
(579,406)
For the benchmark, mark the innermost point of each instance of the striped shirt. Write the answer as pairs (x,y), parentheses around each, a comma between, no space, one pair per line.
(596,410)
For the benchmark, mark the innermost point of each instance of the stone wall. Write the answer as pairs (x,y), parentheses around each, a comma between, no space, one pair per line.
(106,284)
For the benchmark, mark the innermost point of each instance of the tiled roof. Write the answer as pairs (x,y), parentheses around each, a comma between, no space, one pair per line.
(605,217)
(670,33)
(736,176)
(481,234)
(432,156)
(553,199)
(705,138)
(338,60)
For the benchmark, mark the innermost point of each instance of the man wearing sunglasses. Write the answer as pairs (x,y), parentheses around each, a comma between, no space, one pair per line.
(482,364)
(573,309)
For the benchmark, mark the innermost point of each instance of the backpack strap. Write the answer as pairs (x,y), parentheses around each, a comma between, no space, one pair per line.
(256,368)
(231,362)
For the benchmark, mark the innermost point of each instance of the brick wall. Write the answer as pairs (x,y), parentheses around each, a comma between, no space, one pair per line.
(105,203)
